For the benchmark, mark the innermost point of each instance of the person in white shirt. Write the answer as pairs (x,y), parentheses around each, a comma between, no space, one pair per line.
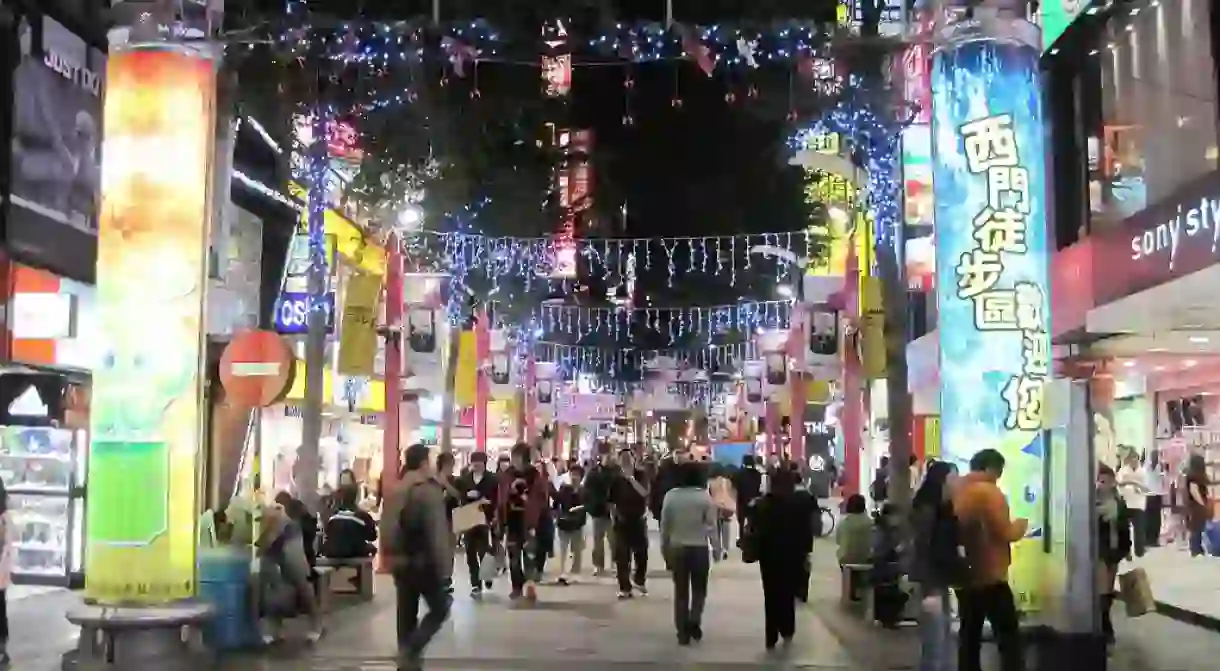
(1133,485)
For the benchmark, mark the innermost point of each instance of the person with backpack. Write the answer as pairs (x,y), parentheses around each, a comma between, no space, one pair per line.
(419,549)
(986,533)
(935,563)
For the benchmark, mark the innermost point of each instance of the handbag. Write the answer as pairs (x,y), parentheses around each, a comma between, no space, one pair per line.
(1136,592)
(489,569)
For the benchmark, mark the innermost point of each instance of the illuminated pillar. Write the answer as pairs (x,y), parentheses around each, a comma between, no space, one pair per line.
(797,382)
(146,423)
(993,294)
(531,399)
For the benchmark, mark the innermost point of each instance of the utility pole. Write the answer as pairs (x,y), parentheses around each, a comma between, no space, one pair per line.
(308,460)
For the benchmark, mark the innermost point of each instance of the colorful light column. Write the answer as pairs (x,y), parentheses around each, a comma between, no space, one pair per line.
(146,424)
(991,260)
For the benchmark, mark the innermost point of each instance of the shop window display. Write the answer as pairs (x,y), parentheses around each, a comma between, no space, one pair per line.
(1158,109)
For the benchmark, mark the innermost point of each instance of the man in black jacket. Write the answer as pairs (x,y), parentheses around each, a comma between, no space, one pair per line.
(597,505)
(748,485)
(477,485)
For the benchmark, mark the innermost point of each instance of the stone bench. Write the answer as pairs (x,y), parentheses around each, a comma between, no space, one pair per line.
(854,591)
(364,573)
(166,638)
(322,576)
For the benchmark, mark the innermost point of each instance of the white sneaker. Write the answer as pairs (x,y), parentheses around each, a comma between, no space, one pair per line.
(563,579)
(314,636)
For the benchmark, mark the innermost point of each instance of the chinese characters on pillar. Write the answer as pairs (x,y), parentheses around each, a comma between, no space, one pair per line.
(998,232)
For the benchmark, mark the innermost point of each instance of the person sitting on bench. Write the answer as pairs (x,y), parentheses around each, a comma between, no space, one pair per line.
(350,532)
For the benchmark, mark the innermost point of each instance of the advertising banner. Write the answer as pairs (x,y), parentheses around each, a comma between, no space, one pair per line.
(147,390)
(773,345)
(992,265)
(752,377)
(822,361)
(918,207)
(544,390)
(503,371)
(56,157)
(358,333)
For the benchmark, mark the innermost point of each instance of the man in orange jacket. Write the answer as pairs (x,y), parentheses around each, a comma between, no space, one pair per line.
(987,533)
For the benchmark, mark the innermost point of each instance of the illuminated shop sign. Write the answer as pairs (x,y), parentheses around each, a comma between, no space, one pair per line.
(292,312)
(1194,225)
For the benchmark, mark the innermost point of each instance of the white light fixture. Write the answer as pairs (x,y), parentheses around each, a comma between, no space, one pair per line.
(784,291)
(410,217)
(1160,369)
(1199,340)
(1129,363)
(1189,363)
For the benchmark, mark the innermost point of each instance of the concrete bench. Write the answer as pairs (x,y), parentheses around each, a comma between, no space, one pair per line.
(363,567)
(166,637)
(322,586)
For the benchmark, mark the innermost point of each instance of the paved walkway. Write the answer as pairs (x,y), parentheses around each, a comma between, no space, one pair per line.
(583,626)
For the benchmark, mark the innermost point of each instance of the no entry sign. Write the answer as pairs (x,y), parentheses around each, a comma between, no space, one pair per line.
(256,369)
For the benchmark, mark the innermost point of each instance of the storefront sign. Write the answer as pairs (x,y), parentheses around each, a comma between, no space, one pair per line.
(349,239)
(292,313)
(146,418)
(57,134)
(992,267)
(1170,239)
(1192,224)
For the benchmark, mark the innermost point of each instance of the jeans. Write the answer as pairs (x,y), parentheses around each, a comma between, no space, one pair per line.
(995,604)
(521,565)
(414,634)
(1152,520)
(602,537)
(1139,534)
(571,545)
(631,543)
(3,619)
(690,568)
(935,631)
(722,537)
(478,544)
(544,545)
(1195,540)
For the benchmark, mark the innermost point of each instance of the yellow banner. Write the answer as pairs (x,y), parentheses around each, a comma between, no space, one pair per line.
(872,327)
(350,240)
(358,329)
(466,388)
(931,437)
(370,400)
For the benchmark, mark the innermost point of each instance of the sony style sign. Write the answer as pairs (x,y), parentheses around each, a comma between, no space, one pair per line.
(1192,224)
(1169,239)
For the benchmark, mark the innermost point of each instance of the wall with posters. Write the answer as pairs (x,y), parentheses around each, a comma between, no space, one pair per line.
(54,171)
(235,272)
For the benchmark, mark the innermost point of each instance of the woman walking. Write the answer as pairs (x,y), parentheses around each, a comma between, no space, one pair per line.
(7,550)
(720,487)
(688,515)
(783,537)
(934,561)
(1198,503)
(1113,542)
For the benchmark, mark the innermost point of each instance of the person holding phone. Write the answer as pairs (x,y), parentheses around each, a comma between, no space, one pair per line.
(629,497)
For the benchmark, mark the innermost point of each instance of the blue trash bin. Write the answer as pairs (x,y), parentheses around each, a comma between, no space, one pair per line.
(224,583)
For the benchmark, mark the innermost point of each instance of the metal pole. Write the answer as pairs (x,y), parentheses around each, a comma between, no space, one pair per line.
(308,459)
(669,13)
(436,11)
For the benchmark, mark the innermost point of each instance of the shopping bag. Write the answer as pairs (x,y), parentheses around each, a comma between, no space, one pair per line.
(1136,592)
(468,517)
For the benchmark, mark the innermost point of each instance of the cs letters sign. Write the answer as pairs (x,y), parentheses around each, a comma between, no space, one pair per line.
(292,312)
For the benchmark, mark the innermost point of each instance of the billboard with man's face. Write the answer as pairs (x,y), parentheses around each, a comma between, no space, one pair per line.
(56,150)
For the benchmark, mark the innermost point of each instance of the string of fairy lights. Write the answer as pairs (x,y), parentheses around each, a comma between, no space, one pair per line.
(378,46)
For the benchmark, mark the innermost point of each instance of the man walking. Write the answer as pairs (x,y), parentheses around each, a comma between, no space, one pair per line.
(987,534)
(597,504)
(419,548)
(477,485)
(629,496)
